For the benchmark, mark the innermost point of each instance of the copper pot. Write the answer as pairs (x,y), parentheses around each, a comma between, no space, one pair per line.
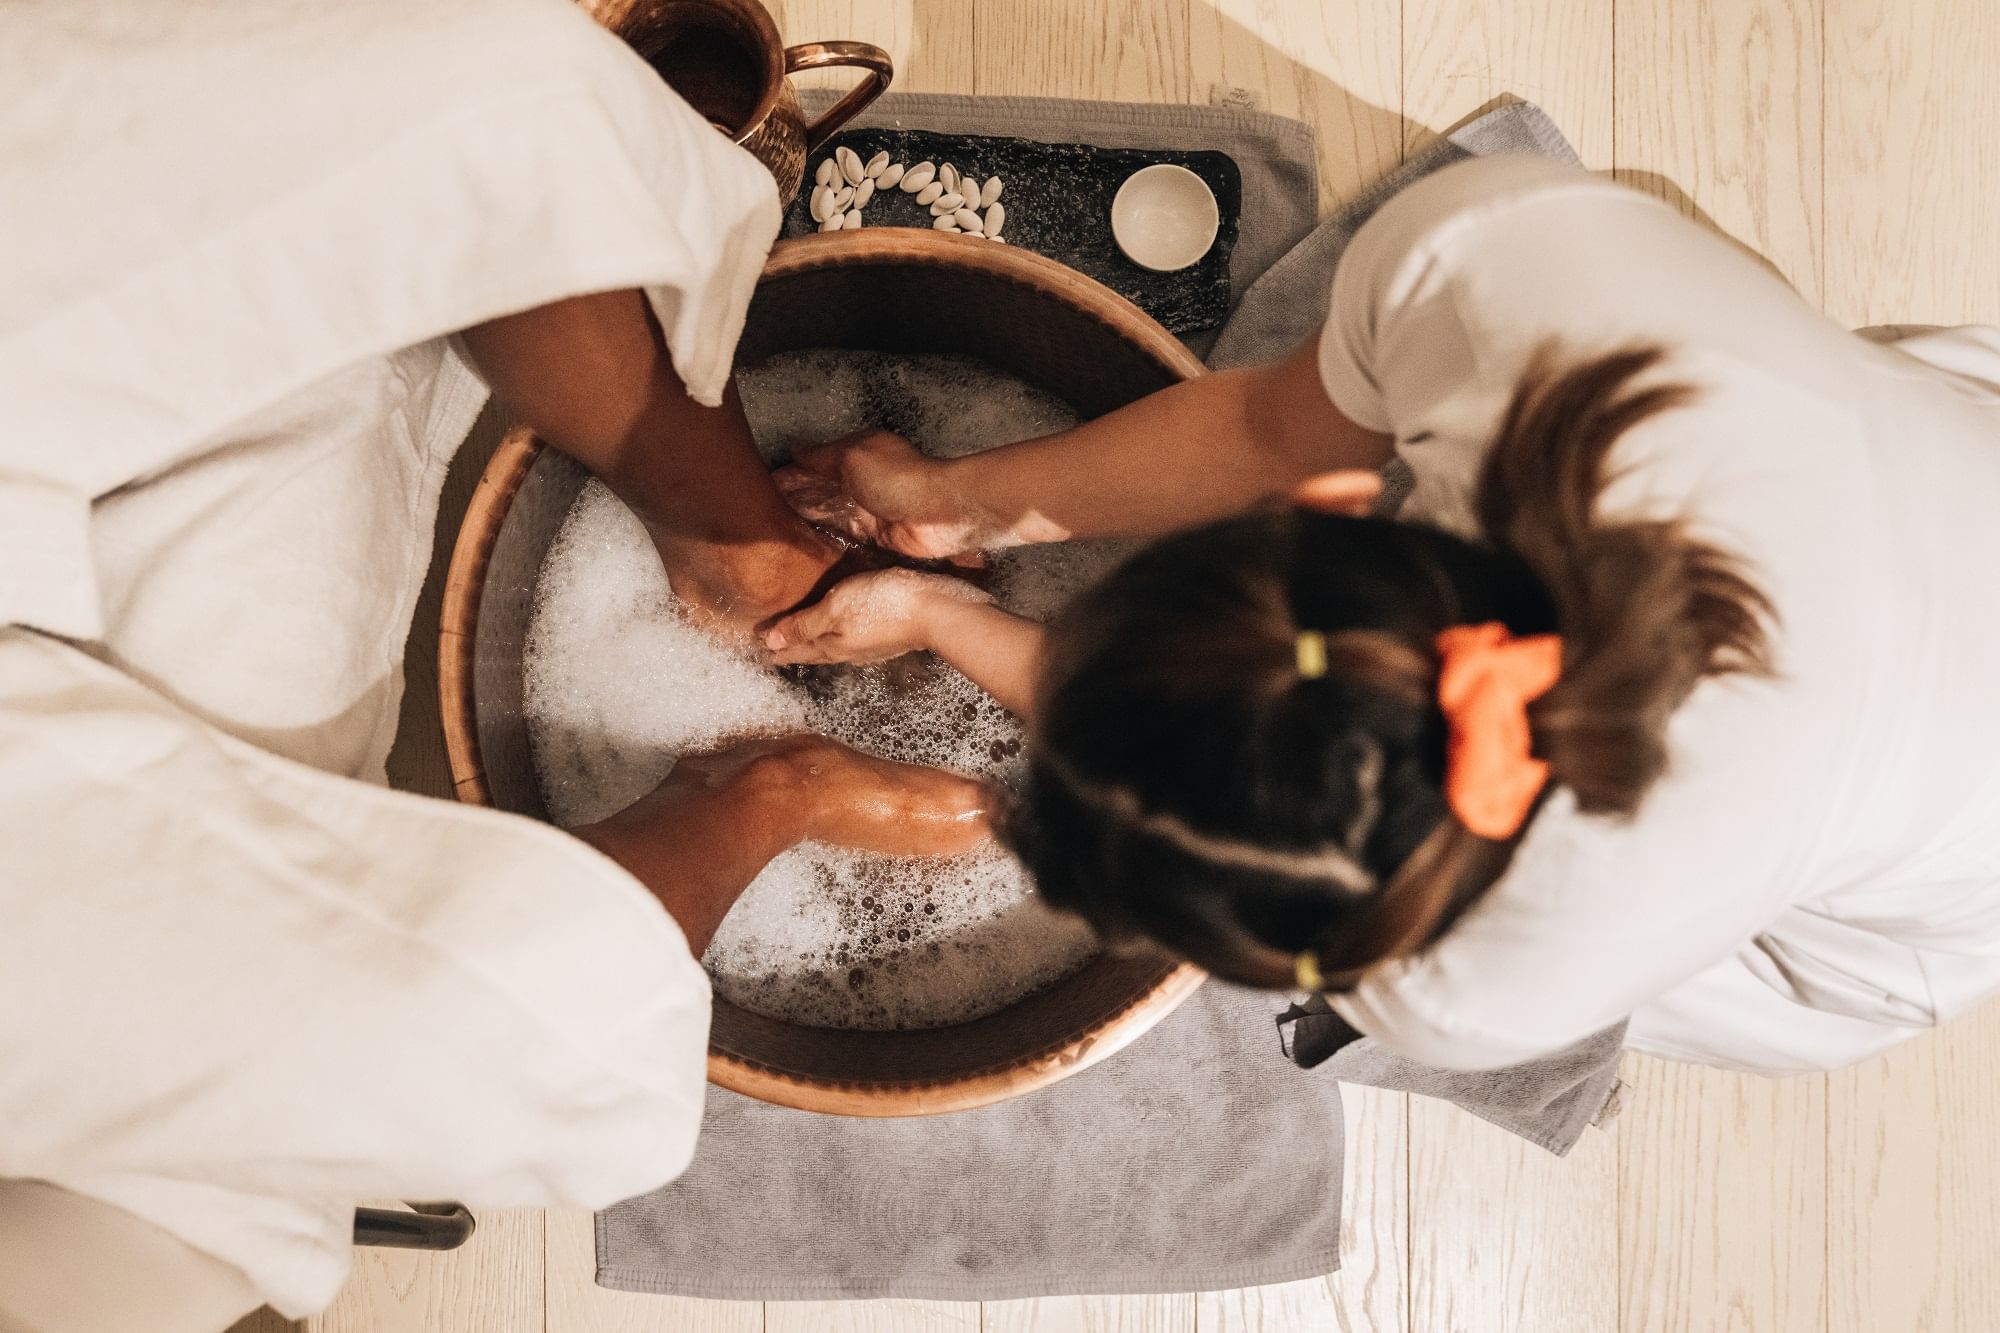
(726,58)
(889,289)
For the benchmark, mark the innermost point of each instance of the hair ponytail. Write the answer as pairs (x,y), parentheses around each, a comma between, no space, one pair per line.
(1187,784)
(1645,611)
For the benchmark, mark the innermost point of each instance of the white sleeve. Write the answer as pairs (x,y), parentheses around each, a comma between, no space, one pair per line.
(227,980)
(401,169)
(1394,338)
(1461,277)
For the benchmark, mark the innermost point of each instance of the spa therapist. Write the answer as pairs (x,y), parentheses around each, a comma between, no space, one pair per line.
(1668,692)
(242,984)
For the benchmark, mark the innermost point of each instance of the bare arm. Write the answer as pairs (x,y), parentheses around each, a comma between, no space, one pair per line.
(1198,451)
(874,617)
(592,376)
(1187,455)
(996,650)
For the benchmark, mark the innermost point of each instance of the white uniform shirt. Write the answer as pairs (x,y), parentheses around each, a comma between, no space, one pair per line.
(240,987)
(1818,875)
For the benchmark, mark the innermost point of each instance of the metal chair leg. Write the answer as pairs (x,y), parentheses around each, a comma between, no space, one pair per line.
(427,1226)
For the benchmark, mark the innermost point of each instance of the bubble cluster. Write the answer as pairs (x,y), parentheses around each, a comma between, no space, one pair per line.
(618,684)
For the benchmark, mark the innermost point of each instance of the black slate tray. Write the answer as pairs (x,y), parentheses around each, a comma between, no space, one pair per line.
(1058,199)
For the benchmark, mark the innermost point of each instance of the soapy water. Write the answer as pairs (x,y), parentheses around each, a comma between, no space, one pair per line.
(618,684)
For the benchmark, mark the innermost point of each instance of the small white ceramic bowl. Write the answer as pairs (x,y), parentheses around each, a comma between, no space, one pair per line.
(1164,217)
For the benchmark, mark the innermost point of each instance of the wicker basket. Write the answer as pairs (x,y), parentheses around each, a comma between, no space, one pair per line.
(890,290)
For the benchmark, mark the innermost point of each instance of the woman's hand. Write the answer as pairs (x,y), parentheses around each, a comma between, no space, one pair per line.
(868,618)
(877,488)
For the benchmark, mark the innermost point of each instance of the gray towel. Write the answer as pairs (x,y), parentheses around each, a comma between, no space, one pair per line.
(1200,1158)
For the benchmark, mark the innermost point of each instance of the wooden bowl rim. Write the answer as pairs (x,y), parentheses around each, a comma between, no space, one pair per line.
(888,1099)
(465,582)
(905,245)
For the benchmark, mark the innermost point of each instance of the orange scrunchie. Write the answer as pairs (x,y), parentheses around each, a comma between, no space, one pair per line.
(1488,680)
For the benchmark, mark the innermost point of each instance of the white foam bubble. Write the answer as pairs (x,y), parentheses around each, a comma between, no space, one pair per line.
(618,684)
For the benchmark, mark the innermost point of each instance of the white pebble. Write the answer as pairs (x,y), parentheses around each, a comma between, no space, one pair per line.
(891,174)
(996,218)
(946,222)
(917,177)
(853,222)
(850,164)
(949,175)
(991,194)
(824,176)
(876,165)
(864,192)
(930,194)
(969,221)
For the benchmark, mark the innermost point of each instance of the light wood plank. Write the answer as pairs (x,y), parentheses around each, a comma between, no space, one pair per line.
(1114,50)
(1913,1159)
(1371,1293)
(1723,1179)
(1913,209)
(871,1317)
(1459,56)
(1718,112)
(492,1284)
(1504,1237)
(1336,67)
(1912,178)
(1090,1314)
(576,1304)
(931,41)
(1282,1307)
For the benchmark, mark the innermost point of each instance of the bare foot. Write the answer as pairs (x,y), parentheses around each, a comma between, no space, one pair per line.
(851,799)
(735,589)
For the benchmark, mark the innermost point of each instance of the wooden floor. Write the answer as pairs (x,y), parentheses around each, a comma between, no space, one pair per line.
(1857,144)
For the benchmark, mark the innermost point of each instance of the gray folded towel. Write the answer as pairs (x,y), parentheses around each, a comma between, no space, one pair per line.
(1199,1158)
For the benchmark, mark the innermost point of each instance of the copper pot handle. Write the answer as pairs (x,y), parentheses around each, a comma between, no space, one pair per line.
(821,55)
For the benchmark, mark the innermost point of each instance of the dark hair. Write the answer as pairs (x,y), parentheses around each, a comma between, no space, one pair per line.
(1188,786)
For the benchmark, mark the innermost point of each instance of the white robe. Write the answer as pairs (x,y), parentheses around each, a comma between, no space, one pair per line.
(241,985)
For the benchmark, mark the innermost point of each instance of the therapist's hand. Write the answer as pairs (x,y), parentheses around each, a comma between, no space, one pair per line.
(877,488)
(593,377)
(868,618)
